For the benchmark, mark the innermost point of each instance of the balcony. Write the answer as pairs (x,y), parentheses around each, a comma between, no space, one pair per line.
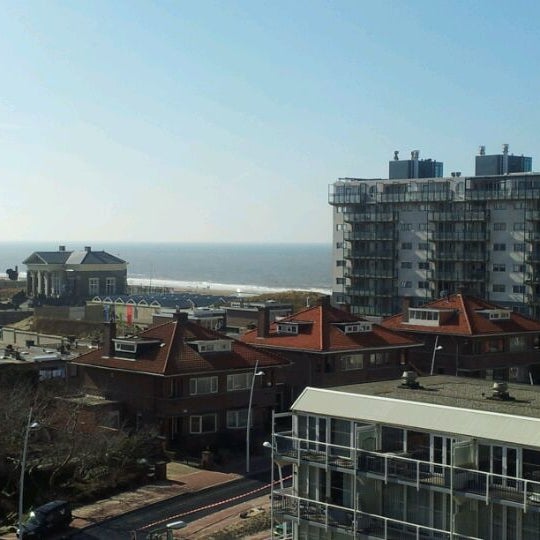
(479,256)
(461,277)
(458,236)
(532,236)
(370,235)
(375,273)
(373,217)
(533,257)
(357,524)
(349,253)
(401,468)
(474,215)
(370,292)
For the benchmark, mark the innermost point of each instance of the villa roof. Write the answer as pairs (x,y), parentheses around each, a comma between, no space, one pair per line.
(467,317)
(72,257)
(322,329)
(173,354)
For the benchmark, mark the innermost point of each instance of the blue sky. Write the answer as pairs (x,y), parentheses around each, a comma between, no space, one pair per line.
(226,121)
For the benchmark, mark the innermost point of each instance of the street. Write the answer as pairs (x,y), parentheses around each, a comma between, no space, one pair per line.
(183,507)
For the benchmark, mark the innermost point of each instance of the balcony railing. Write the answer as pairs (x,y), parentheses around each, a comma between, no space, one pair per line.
(354,522)
(387,273)
(401,468)
(349,253)
(458,236)
(480,256)
(375,217)
(370,235)
(532,215)
(473,215)
(532,236)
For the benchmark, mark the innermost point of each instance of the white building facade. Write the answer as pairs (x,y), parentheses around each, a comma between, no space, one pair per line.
(425,237)
(447,458)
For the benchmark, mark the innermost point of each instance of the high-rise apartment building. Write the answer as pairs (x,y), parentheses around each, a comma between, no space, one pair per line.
(419,235)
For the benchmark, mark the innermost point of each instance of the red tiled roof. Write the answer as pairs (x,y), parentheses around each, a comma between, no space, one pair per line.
(323,335)
(176,356)
(466,319)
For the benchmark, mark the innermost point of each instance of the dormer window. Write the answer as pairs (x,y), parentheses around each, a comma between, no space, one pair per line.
(495,314)
(213,345)
(284,328)
(355,327)
(131,348)
(293,327)
(429,316)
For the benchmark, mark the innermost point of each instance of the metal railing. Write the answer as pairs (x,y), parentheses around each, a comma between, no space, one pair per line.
(459,236)
(399,467)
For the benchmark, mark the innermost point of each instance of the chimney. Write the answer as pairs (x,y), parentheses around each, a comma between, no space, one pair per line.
(88,249)
(263,322)
(405,305)
(180,316)
(61,248)
(109,333)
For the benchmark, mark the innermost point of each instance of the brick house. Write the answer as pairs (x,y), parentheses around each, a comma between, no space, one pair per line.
(330,347)
(465,335)
(193,382)
(74,275)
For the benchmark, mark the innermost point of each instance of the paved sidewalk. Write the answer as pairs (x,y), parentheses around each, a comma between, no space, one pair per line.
(180,479)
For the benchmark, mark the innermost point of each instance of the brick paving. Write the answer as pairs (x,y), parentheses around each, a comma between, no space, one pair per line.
(180,479)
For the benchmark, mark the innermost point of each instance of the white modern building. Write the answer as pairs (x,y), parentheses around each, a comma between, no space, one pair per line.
(420,235)
(435,458)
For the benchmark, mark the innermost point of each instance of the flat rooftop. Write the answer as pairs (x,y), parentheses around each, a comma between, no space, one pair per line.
(441,404)
(454,391)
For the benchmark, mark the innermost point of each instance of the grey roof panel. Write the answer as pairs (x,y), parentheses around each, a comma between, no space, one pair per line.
(481,424)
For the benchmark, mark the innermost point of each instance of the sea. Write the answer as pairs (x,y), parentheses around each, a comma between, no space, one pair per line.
(238,268)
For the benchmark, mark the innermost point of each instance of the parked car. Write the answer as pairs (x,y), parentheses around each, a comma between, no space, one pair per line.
(46,519)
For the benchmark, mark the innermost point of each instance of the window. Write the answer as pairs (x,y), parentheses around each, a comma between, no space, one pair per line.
(406,245)
(203,385)
(352,361)
(379,359)
(499,247)
(203,423)
(519,247)
(424,246)
(519,226)
(340,281)
(110,285)
(406,264)
(340,227)
(519,205)
(339,245)
(406,284)
(499,206)
(423,284)
(238,419)
(499,267)
(497,287)
(423,266)
(340,262)
(518,289)
(93,286)
(519,268)
(405,227)
(422,226)
(239,381)
(517,343)
(499,226)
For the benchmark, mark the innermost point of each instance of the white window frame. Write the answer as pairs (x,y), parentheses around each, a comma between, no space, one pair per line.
(93,286)
(110,285)
(194,383)
(351,362)
(199,419)
(239,381)
(237,419)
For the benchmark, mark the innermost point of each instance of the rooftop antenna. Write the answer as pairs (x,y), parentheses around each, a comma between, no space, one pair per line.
(396,155)
(482,150)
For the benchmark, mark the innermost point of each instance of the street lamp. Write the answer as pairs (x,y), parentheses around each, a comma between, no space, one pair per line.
(248,425)
(435,349)
(29,426)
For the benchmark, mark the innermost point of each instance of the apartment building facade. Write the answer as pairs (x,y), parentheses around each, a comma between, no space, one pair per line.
(436,458)
(418,234)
